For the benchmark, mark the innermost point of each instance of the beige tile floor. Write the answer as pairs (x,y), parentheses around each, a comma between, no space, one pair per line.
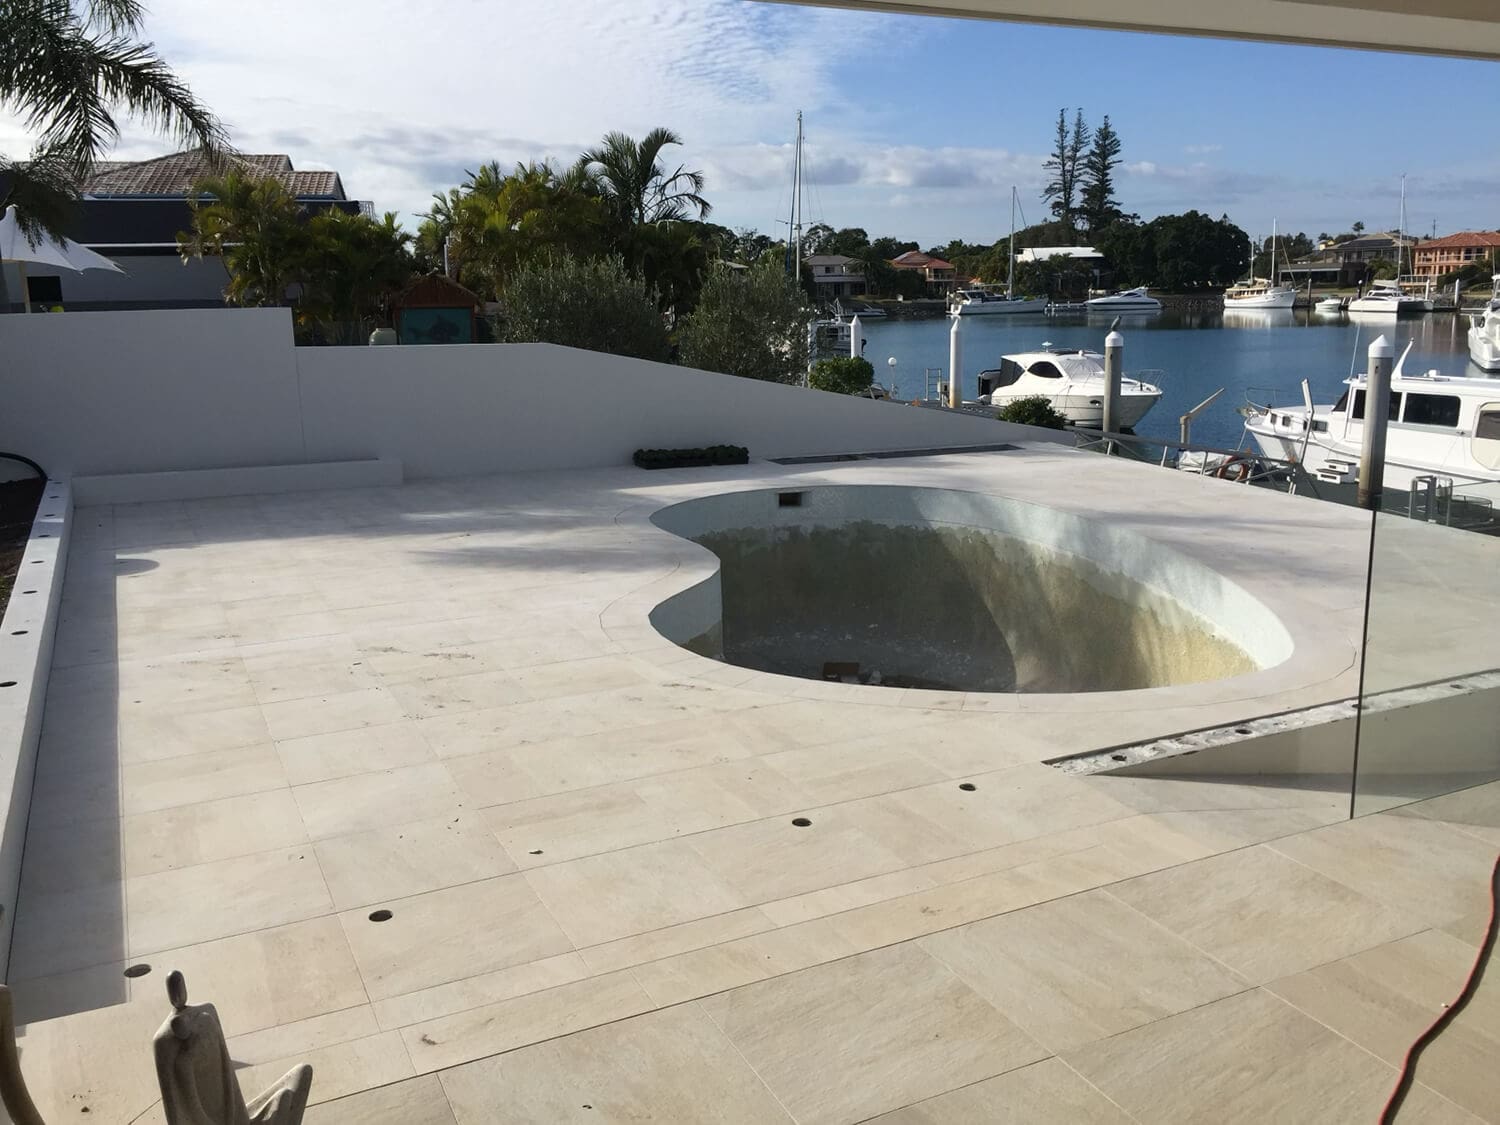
(272,716)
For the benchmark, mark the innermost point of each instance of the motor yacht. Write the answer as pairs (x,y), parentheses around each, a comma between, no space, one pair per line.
(1441,426)
(1484,332)
(1071,379)
(1127,301)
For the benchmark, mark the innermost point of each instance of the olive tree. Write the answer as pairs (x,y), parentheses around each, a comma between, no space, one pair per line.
(749,322)
(583,303)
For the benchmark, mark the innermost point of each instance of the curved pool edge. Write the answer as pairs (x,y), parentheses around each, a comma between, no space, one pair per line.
(1317,662)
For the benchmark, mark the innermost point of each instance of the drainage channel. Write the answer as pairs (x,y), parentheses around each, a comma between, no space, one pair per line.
(889,454)
(1192,742)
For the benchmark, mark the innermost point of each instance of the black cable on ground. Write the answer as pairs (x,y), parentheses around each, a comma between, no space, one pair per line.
(1471,985)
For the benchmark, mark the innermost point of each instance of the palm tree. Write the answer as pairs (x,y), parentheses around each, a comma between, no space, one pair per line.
(67,68)
(255,224)
(352,267)
(635,186)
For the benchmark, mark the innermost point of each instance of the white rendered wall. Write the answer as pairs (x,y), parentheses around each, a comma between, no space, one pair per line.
(99,393)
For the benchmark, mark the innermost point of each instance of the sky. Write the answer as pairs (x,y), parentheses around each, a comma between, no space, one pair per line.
(916,127)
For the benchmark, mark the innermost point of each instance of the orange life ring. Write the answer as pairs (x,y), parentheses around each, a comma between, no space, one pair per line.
(1241,467)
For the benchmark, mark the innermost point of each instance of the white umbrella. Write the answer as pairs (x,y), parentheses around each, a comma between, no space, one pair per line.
(62,253)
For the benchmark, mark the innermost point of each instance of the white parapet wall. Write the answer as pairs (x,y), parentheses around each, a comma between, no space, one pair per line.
(26,635)
(106,393)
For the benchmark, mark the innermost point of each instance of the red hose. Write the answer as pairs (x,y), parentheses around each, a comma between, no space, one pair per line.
(1471,986)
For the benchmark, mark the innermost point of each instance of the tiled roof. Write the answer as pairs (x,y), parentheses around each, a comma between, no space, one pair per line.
(916,260)
(175,174)
(1462,239)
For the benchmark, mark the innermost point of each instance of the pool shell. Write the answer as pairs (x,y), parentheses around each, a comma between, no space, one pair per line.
(956,591)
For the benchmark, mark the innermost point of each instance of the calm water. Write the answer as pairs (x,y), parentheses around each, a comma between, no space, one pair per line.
(1193,354)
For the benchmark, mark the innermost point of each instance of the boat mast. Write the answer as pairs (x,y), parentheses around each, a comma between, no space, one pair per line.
(1010,274)
(797,204)
(1401,230)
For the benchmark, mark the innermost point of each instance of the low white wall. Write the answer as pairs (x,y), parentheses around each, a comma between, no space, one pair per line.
(26,636)
(144,391)
(458,410)
(100,393)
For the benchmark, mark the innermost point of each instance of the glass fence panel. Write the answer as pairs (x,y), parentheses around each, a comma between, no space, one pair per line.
(1430,699)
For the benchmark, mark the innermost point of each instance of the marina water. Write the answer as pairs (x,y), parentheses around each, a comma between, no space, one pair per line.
(1191,355)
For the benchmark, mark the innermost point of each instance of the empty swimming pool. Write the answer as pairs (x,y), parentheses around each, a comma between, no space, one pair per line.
(1008,596)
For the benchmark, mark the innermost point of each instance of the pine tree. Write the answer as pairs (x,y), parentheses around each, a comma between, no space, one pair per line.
(1062,190)
(1058,191)
(1098,204)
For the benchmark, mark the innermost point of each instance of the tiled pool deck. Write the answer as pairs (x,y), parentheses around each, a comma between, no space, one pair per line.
(270,716)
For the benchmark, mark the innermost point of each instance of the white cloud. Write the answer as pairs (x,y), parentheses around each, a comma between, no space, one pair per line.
(1201,150)
(401,100)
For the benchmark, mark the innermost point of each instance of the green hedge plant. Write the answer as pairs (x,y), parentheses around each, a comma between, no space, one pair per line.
(845,375)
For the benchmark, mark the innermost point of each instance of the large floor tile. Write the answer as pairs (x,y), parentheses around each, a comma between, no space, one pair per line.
(775,858)
(214,830)
(673,1065)
(612,896)
(267,978)
(1383,998)
(324,714)
(57,932)
(231,896)
(416,1101)
(1249,1057)
(1410,862)
(194,778)
(532,1018)
(868,1034)
(377,800)
(1264,915)
(1080,969)
(325,757)
(409,859)
(451,934)
(1044,1093)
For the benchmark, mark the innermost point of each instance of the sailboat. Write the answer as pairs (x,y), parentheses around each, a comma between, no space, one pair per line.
(1387,298)
(1259,293)
(980,302)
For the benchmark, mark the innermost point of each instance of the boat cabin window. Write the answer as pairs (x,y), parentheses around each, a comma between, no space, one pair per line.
(1486,440)
(1046,369)
(1359,406)
(1009,372)
(1431,410)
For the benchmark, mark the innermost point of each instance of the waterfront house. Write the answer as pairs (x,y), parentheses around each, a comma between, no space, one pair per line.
(835,275)
(1348,263)
(132,211)
(1453,252)
(941,276)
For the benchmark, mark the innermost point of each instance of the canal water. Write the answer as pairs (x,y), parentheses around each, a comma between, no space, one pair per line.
(1188,355)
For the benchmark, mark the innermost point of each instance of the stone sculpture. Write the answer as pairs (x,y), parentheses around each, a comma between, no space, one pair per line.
(197,1080)
(13,1093)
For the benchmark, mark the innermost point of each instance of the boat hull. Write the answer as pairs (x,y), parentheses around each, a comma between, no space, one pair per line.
(1001,308)
(1484,353)
(1088,410)
(1282,300)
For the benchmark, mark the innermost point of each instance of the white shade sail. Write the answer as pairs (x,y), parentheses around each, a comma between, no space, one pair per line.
(59,253)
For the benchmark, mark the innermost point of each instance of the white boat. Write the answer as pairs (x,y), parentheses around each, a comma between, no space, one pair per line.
(1258,294)
(1126,301)
(1484,332)
(1329,306)
(1071,379)
(1387,298)
(1261,293)
(1441,426)
(980,302)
